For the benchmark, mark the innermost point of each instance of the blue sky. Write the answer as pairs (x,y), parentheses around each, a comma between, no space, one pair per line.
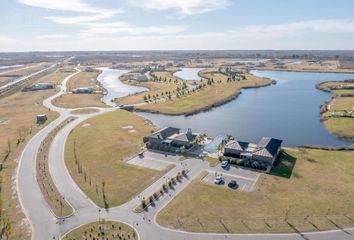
(53,25)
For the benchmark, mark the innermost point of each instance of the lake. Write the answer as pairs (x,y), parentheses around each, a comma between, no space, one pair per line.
(189,73)
(289,110)
(109,78)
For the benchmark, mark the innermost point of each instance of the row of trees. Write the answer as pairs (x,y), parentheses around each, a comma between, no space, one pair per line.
(245,163)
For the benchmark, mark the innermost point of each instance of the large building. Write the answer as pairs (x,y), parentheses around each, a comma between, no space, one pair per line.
(266,151)
(172,137)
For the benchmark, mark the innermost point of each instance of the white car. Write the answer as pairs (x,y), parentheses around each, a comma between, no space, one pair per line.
(219,180)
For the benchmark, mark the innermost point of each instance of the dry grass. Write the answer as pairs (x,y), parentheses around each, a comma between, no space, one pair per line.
(18,123)
(70,100)
(57,203)
(319,187)
(101,146)
(110,229)
(83,79)
(340,126)
(205,98)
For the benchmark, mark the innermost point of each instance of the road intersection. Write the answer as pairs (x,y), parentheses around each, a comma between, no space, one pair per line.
(45,225)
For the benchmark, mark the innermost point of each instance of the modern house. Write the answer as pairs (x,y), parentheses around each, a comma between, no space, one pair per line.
(266,151)
(172,137)
(39,86)
(140,78)
(82,90)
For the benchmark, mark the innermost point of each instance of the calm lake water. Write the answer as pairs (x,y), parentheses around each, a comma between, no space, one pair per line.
(188,73)
(109,78)
(288,110)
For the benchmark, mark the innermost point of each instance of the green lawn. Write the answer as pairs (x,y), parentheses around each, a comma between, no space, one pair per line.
(314,188)
(102,145)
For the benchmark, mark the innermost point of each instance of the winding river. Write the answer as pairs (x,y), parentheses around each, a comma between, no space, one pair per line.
(190,74)
(109,78)
(288,110)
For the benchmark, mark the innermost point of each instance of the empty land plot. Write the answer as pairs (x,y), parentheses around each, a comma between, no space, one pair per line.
(95,156)
(70,100)
(83,79)
(19,111)
(313,188)
(206,98)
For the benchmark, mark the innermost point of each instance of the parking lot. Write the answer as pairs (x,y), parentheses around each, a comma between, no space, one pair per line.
(244,184)
(149,160)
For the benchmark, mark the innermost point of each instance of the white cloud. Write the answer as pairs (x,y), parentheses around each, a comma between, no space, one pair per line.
(96,13)
(112,28)
(184,7)
(83,19)
(62,5)
(316,34)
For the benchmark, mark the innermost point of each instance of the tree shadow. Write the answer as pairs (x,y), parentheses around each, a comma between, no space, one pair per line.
(284,165)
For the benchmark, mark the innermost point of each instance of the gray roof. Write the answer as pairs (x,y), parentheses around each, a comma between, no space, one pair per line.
(237,145)
(186,137)
(268,147)
(165,133)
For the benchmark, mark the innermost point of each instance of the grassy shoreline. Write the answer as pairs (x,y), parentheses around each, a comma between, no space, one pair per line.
(206,98)
(341,102)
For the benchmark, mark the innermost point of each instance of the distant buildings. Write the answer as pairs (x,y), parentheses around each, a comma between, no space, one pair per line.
(39,86)
(266,151)
(140,78)
(82,90)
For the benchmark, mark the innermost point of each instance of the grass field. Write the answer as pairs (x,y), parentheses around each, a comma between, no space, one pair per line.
(205,98)
(107,230)
(309,190)
(101,145)
(70,100)
(83,79)
(18,124)
(340,126)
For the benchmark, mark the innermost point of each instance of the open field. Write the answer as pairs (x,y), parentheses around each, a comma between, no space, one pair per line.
(83,79)
(208,97)
(18,124)
(95,155)
(314,195)
(340,126)
(79,100)
(304,65)
(107,230)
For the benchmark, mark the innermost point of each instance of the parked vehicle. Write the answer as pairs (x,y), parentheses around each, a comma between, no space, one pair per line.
(219,180)
(225,164)
(233,184)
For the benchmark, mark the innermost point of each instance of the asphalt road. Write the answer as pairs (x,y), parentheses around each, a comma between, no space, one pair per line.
(46,226)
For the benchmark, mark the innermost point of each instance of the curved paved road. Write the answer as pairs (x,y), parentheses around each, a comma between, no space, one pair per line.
(46,226)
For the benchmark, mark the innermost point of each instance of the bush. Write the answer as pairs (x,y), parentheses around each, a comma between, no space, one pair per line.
(240,162)
(255,164)
(247,163)
(233,161)
(143,204)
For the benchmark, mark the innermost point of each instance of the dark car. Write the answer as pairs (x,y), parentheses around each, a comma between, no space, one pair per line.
(233,184)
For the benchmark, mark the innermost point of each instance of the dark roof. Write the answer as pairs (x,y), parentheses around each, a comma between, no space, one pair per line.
(165,133)
(268,147)
(237,145)
(186,137)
